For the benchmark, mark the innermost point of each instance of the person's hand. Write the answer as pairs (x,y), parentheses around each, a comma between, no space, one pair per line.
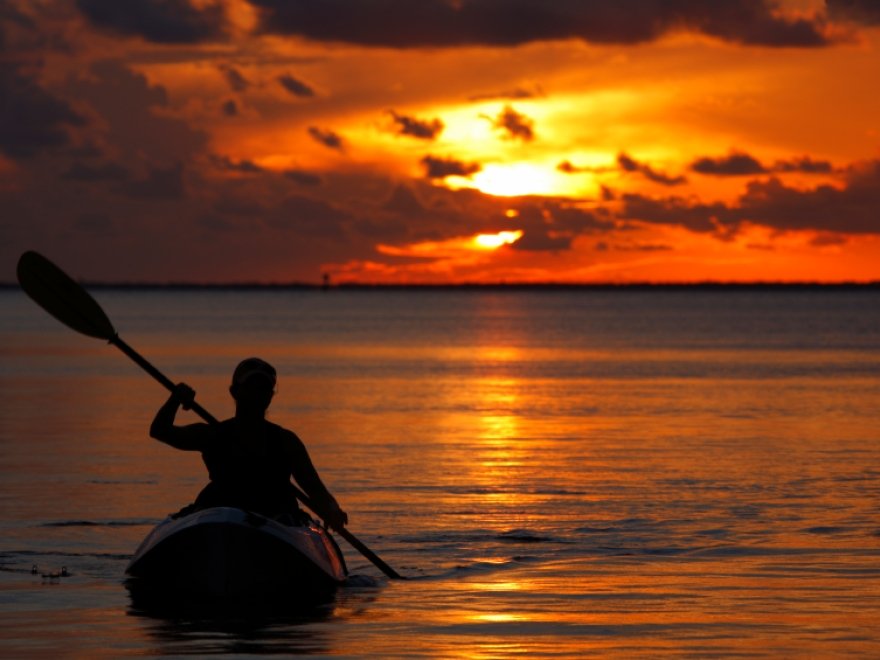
(184,395)
(335,517)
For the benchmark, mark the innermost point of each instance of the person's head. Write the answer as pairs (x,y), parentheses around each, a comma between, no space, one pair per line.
(253,384)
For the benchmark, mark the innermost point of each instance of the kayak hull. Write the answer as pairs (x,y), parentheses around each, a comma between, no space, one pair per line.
(224,552)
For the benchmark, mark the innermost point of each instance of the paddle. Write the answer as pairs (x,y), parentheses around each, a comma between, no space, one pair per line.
(53,290)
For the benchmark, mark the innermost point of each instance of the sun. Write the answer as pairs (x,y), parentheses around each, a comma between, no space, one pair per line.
(495,241)
(513,180)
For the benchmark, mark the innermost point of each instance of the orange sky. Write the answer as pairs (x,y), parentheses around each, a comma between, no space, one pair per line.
(442,141)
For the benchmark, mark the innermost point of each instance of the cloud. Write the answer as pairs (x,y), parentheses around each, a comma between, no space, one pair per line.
(296,87)
(31,119)
(159,21)
(312,217)
(552,226)
(230,108)
(303,178)
(516,125)
(851,209)
(742,164)
(242,166)
(735,164)
(866,12)
(679,211)
(80,171)
(235,78)
(440,168)
(424,129)
(515,94)
(159,184)
(805,165)
(441,23)
(628,164)
(134,122)
(848,209)
(568,167)
(328,138)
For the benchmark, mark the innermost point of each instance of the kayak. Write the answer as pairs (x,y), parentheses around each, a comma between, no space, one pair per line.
(228,552)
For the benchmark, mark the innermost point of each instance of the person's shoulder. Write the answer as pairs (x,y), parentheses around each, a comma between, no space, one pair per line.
(285,435)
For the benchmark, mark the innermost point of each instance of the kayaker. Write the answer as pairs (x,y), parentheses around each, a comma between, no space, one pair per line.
(250,460)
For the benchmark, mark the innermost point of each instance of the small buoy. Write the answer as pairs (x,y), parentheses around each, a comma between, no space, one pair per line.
(64,572)
(34,570)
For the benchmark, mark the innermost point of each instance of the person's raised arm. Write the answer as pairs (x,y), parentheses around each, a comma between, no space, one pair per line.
(307,477)
(189,438)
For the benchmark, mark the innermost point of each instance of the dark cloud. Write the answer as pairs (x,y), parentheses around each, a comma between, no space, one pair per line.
(404,202)
(28,30)
(159,184)
(328,138)
(235,78)
(296,87)
(230,108)
(81,171)
(629,164)
(805,165)
(859,11)
(441,23)
(134,122)
(695,216)
(515,124)
(847,209)
(440,168)
(626,163)
(242,166)
(424,129)
(303,178)
(742,164)
(516,94)
(13,20)
(851,209)
(312,217)
(31,119)
(160,21)
(568,167)
(552,226)
(735,164)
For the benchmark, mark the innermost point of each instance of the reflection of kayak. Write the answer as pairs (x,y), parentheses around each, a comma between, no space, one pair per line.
(222,551)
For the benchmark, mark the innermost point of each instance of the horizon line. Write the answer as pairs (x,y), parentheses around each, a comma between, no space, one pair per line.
(245,285)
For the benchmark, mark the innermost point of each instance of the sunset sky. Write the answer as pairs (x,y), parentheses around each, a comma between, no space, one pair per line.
(437,141)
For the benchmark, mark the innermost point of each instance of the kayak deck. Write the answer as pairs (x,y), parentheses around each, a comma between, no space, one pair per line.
(228,552)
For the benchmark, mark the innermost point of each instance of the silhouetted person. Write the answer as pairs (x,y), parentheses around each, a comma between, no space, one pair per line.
(250,460)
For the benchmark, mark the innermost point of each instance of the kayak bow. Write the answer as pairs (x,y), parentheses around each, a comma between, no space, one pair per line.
(228,552)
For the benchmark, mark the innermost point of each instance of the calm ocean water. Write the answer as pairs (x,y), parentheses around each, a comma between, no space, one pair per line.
(606,473)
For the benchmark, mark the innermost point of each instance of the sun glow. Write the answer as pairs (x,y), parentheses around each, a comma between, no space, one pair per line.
(495,241)
(515,179)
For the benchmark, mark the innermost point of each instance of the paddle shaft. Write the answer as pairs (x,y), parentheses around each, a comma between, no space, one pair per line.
(208,417)
(158,375)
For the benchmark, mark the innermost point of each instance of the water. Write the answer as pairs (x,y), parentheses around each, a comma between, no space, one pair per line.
(607,473)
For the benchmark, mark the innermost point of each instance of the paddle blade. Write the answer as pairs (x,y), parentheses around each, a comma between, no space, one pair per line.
(53,290)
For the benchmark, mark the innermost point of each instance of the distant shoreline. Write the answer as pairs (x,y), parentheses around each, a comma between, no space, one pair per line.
(499,286)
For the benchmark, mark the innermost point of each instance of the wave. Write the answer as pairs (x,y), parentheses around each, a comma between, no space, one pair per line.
(99,523)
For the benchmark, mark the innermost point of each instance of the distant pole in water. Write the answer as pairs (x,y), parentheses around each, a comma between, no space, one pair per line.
(326,281)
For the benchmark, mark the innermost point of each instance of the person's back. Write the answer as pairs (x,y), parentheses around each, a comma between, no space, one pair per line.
(249,459)
(248,474)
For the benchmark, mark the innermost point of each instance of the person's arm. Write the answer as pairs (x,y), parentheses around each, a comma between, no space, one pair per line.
(307,477)
(192,437)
